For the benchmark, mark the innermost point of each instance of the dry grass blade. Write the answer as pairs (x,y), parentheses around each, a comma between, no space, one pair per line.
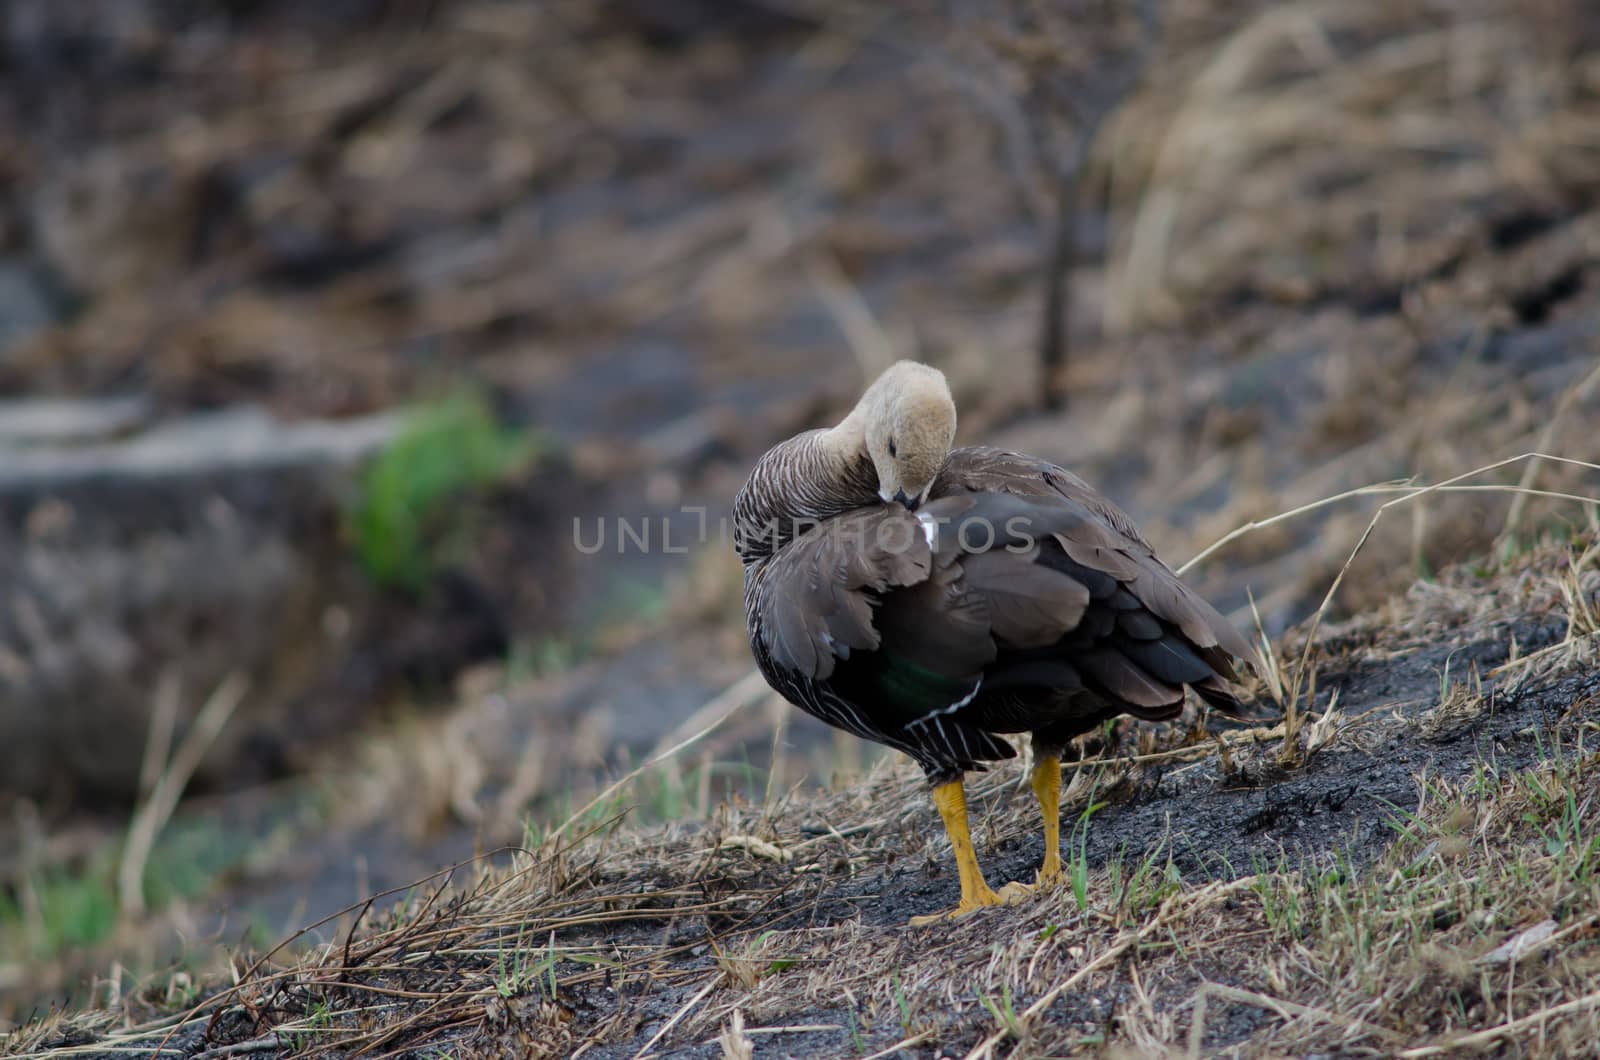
(1289,1010)
(151,817)
(266,1043)
(677,1017)
(1268,668)
(796,1028)
(1261,524)
(158,744)
(1574,394)
(872,346)
(1409,493)
(893,1050)
(1482,1038)
(734,1044)
(1224,742)
(712,715)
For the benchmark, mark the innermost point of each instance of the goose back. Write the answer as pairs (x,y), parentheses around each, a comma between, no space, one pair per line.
(1017,599)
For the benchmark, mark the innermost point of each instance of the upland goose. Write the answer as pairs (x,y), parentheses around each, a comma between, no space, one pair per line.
(929,599)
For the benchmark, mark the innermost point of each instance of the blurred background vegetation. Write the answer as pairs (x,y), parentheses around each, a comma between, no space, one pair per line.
(322,322)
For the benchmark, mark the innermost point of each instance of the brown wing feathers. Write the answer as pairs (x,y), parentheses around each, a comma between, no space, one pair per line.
(815,598)
(938,625)
(1138,635)
(1027,578)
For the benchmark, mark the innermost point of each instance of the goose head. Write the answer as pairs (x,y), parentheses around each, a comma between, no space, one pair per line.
(907,421)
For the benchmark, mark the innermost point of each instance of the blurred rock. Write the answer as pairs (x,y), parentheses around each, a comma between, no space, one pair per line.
(28,303)
(669,24)
(243,440)
(42,421)
(203,547)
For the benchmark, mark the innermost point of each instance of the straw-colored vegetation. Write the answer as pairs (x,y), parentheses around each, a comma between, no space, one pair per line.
(1459,917)
(1341,327)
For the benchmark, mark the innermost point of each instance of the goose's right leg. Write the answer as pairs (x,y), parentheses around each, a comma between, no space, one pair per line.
(976,893)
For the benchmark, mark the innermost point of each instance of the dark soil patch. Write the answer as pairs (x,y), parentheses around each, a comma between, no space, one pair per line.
(1218,825)
(1217,822)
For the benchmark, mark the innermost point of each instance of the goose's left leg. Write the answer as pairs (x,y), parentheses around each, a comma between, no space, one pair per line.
(1047,789)
(1049,748)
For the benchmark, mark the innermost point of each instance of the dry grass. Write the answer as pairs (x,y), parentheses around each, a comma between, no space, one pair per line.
(1352,127)
(492,963)
(165,780)
(1471,926)
(1476,929)
(1278,177)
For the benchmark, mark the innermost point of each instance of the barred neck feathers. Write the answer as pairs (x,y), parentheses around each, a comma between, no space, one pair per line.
(888,449)
(811,477)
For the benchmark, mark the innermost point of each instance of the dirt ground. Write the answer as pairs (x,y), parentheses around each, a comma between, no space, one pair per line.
(1318,247)
(619,941)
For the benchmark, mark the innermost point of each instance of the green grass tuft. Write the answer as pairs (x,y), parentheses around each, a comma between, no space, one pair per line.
(406,512)
(59,909)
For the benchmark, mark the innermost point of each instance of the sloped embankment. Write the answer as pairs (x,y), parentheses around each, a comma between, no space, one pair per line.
(1414,871)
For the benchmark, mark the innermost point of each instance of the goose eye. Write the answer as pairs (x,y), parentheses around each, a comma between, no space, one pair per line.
(893,449)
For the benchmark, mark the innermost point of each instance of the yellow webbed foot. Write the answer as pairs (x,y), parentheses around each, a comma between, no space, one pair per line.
(1050,873)
(1010,894)
(1016,891)
(969,904)
(975,891)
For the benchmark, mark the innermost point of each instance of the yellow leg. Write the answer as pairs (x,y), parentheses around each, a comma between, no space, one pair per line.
(975,893)
(1047,787)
